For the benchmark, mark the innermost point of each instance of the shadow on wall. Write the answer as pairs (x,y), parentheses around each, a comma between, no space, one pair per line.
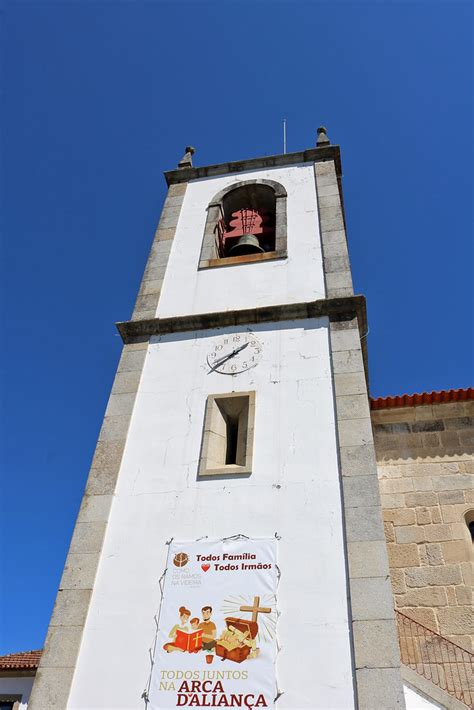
(434,438)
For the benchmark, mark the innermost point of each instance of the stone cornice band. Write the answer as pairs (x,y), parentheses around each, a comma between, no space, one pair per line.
(133,331)
(312,155)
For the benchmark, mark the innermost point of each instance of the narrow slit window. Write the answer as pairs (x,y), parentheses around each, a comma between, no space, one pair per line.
(227,443)
(232,435)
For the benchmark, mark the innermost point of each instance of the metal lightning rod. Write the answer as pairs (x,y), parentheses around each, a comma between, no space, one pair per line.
(284,135)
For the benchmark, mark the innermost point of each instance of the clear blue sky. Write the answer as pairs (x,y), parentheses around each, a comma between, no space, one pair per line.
(99,98)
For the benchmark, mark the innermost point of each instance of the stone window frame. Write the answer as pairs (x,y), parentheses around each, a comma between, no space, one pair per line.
(13,698)
(467,518)
(209,258)
(212,407)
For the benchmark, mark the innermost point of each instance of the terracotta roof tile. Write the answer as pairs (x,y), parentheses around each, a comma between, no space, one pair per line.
(413,400)
(20,661)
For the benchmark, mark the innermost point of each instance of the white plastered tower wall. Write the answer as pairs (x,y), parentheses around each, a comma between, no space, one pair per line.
(313,479)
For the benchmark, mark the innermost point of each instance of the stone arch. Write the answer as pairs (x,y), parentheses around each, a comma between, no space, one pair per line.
(277,188)
(468,519)
(209,253)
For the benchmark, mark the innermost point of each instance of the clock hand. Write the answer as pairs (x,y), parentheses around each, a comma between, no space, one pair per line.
(239,349)
(228,356)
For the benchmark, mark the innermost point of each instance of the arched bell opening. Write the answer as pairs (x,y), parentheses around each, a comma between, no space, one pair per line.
(247,224)
(245,221)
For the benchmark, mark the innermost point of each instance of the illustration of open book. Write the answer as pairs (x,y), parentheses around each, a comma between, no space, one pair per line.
(188,642)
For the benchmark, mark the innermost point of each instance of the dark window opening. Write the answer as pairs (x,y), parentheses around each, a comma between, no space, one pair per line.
(471,529)
(232,425)
(247,224)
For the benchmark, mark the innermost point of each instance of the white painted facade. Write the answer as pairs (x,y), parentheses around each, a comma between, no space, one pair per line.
(294,488)
(17,686)
(296,279)
(415,701)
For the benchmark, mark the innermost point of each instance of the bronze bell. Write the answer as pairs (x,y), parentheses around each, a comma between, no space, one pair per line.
(247,244)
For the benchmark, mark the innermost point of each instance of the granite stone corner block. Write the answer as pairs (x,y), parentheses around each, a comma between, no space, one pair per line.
(333,250)
(95,509)
(143,315)
(145,304)
(160,252)
(337,281)
(174,201)
(364,523)
(360,491)
(334,236)
(367,559)
(344,322)
(177,189)
(163,235)
(332,200)
(140,343)
(330,189)
(371,598)
(354,432)
(120,404)
(126,383)
(331,224)
(376,644)
(79,571)
(62,646)
(345,361)
(358,460)
(114,428)
(88,537)
(351,383)
(380,688)
(352,406)
(341,292)
(101,481)
(331,214)
(51,688)
(131,360)
(336,264)
(169,216)
(344,339)
(326,167)
(71,607)
(108,455)
(151,287)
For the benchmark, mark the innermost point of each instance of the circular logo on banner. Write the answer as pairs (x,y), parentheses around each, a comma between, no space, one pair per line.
(180,559)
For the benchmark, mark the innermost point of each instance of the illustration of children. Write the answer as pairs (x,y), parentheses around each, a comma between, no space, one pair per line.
(184,615)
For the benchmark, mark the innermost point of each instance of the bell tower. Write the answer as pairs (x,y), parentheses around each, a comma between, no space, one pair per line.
(239,408)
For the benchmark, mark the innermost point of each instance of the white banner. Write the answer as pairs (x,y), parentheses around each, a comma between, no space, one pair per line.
(216,643)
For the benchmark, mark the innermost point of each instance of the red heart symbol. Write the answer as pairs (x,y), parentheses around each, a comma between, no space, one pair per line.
(205,567)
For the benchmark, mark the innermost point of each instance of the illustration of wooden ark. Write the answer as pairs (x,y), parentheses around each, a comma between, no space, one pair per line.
(238,641)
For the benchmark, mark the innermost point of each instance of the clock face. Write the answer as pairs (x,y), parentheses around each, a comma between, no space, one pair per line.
(234,353)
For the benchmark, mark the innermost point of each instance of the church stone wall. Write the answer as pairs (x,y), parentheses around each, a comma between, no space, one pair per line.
(425,466)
